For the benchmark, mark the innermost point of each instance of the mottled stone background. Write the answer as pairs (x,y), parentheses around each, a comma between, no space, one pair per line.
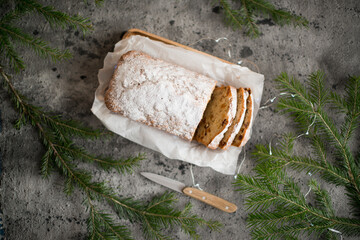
(35,208)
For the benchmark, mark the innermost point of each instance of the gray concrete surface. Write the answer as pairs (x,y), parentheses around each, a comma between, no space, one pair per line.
(35,208)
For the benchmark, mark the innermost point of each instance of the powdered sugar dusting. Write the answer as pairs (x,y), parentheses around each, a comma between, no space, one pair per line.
(231,114)
(159,94)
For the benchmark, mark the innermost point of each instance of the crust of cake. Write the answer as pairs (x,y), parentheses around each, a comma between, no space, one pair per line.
(218,116)
(159,94)
(245,128)
(110,101)
(234,129)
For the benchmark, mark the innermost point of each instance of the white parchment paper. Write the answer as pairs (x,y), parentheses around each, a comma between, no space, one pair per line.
(171,146)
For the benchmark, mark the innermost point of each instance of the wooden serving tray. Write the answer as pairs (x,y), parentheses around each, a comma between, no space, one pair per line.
(134,31)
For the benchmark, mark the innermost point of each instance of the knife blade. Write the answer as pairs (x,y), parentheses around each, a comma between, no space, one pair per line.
(202,196)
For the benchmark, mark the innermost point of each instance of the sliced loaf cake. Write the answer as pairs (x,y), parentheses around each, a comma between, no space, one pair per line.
(218,117)
(243,135)
(159,94)
(234,129)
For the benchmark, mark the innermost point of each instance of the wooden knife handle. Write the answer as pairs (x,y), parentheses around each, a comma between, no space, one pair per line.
(210,199)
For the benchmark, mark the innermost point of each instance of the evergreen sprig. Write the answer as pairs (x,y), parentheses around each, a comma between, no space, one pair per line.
(245,17)
(62,154)
(279,207)
(10,34)
(54,17)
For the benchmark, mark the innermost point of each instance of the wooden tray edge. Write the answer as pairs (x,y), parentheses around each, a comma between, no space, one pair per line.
(135,31)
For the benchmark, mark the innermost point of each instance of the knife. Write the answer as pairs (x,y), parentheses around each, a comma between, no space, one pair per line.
(205,197)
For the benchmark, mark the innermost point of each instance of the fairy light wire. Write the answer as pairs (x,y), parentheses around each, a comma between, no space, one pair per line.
(207,38)
(271,100)
(197,185)
(229,50)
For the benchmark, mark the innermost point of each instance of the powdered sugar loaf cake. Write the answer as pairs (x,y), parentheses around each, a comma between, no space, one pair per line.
(159,94)
(218,117)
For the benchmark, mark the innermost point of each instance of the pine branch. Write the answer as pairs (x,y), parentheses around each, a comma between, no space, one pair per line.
(46,164)
(323,122)
(99,2)
(10,34)
(264,226)
(232,17)
(7,48)
(279,16)
(69,127)
(319,149)
(288,232)
(158,215)
(53,17)
(322,198)
(101,226)
(244,17)
(279,208)
(249,21)
(61,128)
(270,219)
(352,103)
(60,154)
(287,143)
(106,163)
(39,46)
(10,16)
(318,94)
(278,159)
(338,102)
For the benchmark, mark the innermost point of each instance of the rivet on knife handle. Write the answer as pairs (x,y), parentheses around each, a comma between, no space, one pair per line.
(210,199)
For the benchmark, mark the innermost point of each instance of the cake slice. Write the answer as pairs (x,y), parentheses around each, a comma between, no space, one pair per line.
(234,129)
(159,94)
(243,136)
(218,117)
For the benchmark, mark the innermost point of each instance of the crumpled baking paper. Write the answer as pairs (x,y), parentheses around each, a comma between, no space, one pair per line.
(169,145)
